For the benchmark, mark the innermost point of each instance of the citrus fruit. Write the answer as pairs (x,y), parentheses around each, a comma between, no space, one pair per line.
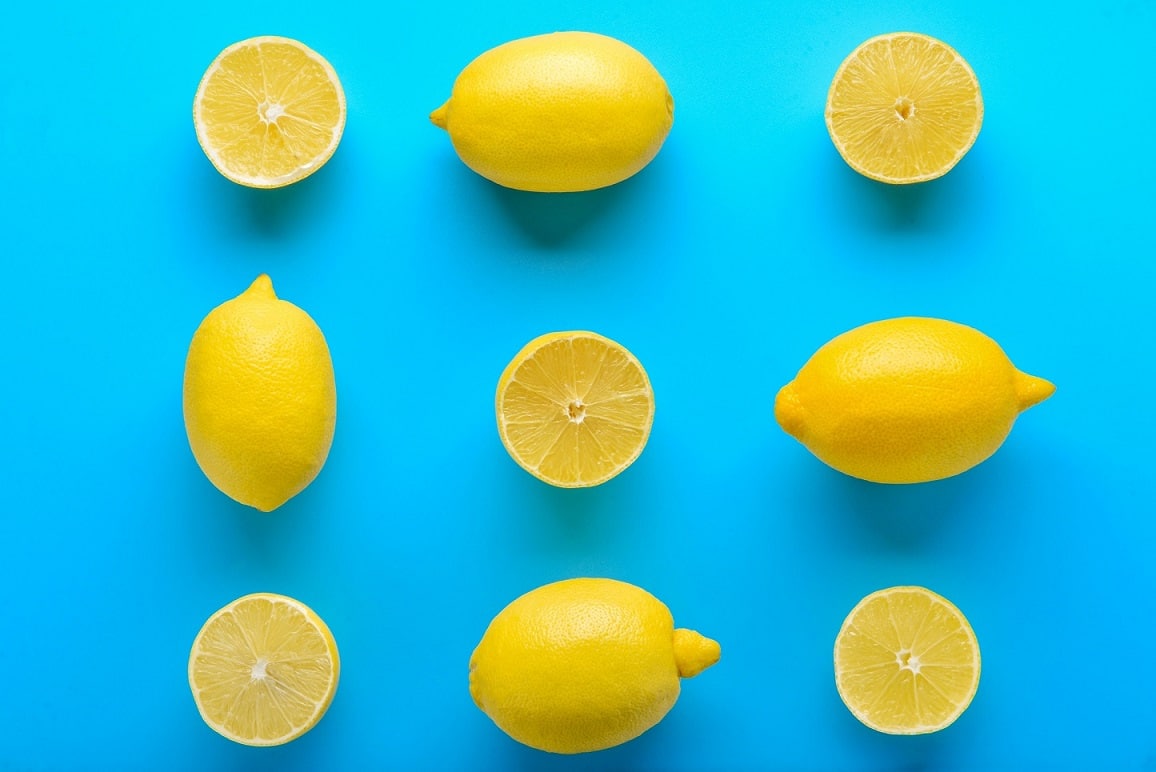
(907,400)
(562,112)
(904,107)
(260,400)
(906,661)
(583,664)
(269,111)
(263,669)
(574,408)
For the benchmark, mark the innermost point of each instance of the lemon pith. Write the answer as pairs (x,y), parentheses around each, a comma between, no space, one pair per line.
(907,400)
(263,670)
(260,398)
(562,112)
(583,664)
(906,661)
(574,408)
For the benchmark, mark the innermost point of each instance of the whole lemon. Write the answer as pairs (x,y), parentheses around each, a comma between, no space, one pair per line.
(583,664)
(260,400)
(907,400)
(562,112)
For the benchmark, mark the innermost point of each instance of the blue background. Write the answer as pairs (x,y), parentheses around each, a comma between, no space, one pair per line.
(741,249)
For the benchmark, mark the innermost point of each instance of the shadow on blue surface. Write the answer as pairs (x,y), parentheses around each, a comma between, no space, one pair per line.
(941,205)
(276,212)
(555,220)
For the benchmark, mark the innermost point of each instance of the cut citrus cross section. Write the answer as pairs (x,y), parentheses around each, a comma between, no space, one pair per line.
(574,408)
(263,670)
(904,107)
(906,661)
(269,111)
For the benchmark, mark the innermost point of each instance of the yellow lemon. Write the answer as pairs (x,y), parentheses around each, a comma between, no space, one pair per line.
(904,107)
(263,669)
(269,111)
(906,661)
(563,112)
(907,400)
(260,400)
(583,664)
(574,408)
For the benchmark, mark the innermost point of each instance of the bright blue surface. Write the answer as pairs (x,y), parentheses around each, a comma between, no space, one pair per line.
(722,266)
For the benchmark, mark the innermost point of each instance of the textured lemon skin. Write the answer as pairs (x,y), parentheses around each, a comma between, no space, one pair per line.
(583,665)
(260,398)
(563,112)
(907,400)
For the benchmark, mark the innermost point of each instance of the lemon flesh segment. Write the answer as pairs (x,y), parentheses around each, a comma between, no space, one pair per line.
(269,111)
(904,108)
(263,670)
(583,664)
(562,112)
(574,409)
(906,661)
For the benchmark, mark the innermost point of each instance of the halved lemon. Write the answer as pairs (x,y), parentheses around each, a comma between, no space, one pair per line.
(574,408)
(269,111)
(263,669)
(906,661)
(904,107)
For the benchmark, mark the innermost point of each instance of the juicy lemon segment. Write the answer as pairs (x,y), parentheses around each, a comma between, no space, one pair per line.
(263,670)
(269,111)
(904,107)
(906,661)
(584,664)
(574,409)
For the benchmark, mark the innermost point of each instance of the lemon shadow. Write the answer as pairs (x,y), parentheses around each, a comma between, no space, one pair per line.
(577,521)
(551,221)
(942,205)
(858,514)
(244,212)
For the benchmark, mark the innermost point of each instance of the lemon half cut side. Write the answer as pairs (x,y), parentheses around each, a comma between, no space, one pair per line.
(903,108)
(906,661)
(269,111)
(263,670)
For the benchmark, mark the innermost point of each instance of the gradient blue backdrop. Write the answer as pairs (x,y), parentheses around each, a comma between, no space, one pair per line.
(722,266)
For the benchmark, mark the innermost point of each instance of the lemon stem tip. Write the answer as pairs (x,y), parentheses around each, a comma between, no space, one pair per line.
(694,652)
(263,286)
(788,411)
(438,116)
(1031,390)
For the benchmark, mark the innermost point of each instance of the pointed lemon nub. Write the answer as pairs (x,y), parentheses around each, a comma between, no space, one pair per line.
(438,116)
(693,652)
(788,410)
(262,286)
(1031,390)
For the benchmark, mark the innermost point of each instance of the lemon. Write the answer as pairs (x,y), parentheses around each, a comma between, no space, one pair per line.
(574,408)
(583,664)
(260,400)
(904,107)
(563,112)
(263,669)
(907,400)
(906,661)
(269,111)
